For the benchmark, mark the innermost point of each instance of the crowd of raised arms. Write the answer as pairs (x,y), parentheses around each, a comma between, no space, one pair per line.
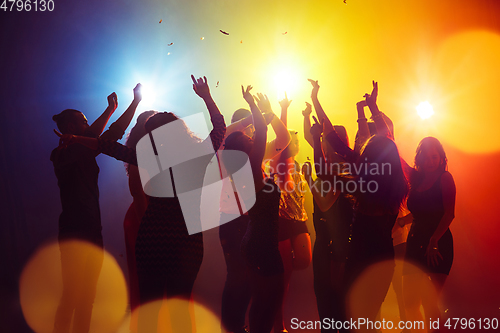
(370,208)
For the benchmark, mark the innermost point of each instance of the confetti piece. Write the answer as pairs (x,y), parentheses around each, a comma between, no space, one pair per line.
(308,158)
(225,33)
(345,1)
(168,53)
(241,42)
(446,311)
(160,21)
(202,38)
(285,33)
(170,44)
(217,84)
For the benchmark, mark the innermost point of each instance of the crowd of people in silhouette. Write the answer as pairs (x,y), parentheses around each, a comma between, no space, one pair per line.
(370,208)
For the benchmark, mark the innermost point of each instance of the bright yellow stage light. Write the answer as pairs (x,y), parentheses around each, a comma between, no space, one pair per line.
(287,81)
(425,110)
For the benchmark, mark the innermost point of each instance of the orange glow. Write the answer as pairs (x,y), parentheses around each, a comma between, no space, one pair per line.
(468,69)
(362,292)
(41,289)
(205,320)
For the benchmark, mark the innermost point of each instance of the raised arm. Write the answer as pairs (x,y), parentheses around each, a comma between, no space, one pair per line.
(319,109)
(284,166)
(319,156)
(117,129)
(285,103)
(307,124)
(371,102)
(100,123)
(201,89)
(282,136)
(259,140)
(322,199)
(363,129)
(218,132)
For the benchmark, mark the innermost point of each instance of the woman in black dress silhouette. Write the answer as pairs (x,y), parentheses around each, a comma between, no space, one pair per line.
(429,249)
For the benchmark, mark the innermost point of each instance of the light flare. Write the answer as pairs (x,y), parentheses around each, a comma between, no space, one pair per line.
(148,95)
(286,81)
(425,110)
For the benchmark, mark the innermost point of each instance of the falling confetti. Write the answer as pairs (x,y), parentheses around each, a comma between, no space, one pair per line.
(170,44)
(345,1)
(241,41)
(285,32)
(168,53)
(217,84)
(160,21)
(225,33)
(308,158)
(202,38)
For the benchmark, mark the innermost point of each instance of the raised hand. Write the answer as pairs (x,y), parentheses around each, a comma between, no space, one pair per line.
(112,102)
(263,103)
(200,87)
(307,111)
(247,95)
(285,102)
(371,99)
(315,86)
(317,128)
(138,92)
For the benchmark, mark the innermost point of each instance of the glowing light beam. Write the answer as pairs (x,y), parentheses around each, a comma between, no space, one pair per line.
(425,110)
